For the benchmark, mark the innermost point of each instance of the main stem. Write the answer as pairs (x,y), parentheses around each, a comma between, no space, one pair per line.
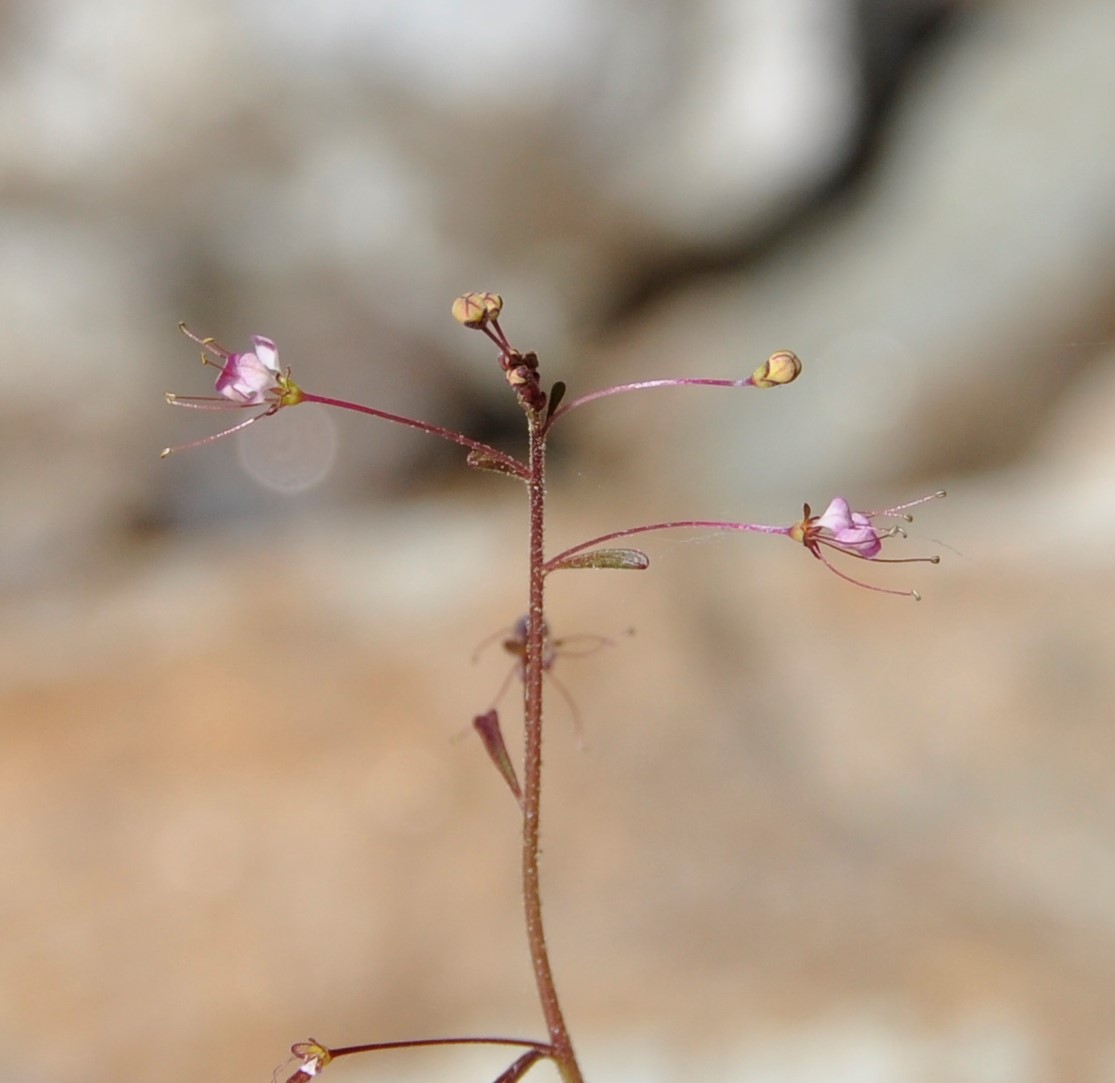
(562,1055)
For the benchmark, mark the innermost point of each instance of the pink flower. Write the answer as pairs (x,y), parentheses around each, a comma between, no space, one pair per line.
(252,378)
(843,528)
(247,377)
(855,533)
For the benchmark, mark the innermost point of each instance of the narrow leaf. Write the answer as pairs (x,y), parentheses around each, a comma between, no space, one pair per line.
(633,559)
(487,725)
(480,460)
(557,393)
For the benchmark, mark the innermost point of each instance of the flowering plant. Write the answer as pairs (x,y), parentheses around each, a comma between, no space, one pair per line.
(253,379)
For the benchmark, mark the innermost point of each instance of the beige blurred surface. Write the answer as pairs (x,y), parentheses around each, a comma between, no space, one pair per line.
(817,832)
(238,811)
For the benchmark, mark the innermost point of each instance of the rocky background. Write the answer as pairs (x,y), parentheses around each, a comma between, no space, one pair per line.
(818,833)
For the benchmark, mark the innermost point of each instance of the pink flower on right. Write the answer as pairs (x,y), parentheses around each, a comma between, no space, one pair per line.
(855,533)
(847,529)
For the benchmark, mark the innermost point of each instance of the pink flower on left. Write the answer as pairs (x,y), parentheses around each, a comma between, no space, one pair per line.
(251,378)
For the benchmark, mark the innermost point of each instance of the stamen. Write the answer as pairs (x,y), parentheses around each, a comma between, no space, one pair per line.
(940,494)
(210,439)
(210,344)
(860,583)
(574,710)
(851,552)
(207,402)
(514,641)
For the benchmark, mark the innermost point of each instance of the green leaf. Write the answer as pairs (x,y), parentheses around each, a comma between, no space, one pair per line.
(624,559)
(480,460)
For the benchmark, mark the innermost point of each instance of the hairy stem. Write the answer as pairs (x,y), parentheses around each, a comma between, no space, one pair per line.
(562,1054)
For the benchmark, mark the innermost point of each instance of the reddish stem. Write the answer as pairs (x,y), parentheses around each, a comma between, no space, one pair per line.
(415,1043)
(520,1067)
(513,465)
(642,385)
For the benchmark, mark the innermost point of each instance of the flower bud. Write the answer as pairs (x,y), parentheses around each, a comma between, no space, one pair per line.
(476,309)
(782,367)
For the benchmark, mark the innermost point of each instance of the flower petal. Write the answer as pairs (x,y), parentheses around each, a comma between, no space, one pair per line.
(267,352)
(837,516)
(244,379)
(864,541)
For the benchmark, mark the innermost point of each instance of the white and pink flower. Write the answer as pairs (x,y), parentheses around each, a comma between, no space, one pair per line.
(251,378)
(856,533)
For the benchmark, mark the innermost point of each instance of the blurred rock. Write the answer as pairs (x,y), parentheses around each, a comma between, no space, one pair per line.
(332,175)
(247,812)
(941,310)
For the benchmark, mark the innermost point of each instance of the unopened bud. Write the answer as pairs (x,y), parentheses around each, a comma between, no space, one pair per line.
(493,303)
(476,309)
(782,367)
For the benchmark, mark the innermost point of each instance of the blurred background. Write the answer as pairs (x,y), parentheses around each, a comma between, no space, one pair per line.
(818,833)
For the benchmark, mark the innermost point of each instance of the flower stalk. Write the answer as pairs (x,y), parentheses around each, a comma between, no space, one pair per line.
(782,367)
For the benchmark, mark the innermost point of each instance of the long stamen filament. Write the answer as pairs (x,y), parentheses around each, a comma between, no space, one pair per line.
(208,402)
(859,582)
(214,436)
(940,494)
(209,344)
